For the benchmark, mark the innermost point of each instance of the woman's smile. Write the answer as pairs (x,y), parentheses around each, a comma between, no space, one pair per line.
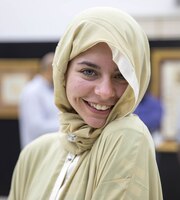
(98,108)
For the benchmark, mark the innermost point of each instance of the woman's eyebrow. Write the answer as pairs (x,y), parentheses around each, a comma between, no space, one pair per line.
(90,64)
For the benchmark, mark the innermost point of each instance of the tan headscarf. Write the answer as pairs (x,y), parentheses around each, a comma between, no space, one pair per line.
(130,49)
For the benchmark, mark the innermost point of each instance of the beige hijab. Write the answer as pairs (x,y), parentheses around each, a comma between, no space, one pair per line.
(130,49)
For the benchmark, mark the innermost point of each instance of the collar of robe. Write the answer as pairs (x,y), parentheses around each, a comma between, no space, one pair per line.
(77,137)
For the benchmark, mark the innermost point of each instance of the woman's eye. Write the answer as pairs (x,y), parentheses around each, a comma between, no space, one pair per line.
(88,72)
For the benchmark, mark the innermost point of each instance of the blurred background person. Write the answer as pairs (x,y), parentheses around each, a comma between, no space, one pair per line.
(150,111)
(37,111)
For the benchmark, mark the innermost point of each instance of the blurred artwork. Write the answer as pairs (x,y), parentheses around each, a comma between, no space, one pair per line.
(170,94)
(14,74)
(11,87)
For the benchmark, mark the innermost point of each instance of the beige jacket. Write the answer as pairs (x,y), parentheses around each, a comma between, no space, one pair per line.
(117,161)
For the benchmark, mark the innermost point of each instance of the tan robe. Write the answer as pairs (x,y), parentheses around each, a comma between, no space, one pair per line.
(121,165)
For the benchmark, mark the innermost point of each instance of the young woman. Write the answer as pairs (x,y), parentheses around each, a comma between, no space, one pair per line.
(101,71)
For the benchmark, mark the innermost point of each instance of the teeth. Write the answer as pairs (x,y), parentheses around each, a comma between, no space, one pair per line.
(99,107)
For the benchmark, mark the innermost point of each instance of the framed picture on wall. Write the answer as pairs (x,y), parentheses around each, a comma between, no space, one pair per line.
(14,74)
(165,84)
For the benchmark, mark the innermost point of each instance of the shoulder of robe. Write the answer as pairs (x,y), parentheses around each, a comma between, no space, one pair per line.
(130,127)
(40,147)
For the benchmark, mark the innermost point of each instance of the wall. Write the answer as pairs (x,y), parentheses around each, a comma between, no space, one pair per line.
(42,20)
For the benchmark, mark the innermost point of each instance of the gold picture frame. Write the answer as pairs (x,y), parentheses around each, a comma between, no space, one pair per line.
(158,57)
(165,84)
(14,74)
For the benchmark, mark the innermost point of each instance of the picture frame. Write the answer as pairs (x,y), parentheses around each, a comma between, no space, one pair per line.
(165,85)
(14,74)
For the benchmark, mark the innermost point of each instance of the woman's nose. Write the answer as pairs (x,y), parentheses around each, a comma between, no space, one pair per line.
(105,89)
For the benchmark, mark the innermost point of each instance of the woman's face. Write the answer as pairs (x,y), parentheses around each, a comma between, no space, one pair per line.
(94,84)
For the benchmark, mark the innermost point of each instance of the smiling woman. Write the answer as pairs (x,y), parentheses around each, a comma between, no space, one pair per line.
(101,71)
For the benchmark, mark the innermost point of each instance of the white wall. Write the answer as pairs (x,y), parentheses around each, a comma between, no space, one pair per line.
(31,20)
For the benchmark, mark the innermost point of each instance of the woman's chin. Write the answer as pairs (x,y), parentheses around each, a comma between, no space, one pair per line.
(96,124)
